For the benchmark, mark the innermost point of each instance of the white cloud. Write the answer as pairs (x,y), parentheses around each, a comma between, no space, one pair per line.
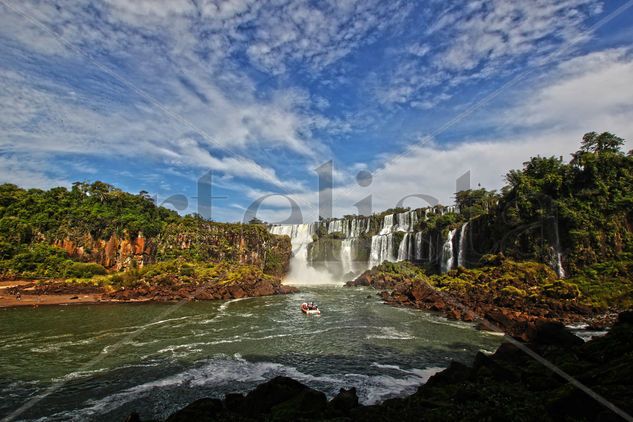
(191,57)
(44,120)
(32,173)
(585,93)
(161,42)
(484,38)
(593,92)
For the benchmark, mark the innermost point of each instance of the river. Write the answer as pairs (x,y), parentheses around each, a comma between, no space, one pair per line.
(102,362)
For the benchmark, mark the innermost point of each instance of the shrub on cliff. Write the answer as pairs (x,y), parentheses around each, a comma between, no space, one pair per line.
(44,261)
(98,209)
(83,269)
(179,271)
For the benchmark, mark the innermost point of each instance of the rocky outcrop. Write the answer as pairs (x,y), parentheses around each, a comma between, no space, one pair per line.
(508,296)
(280,399)
(116,253)
(508,385)
(177,292)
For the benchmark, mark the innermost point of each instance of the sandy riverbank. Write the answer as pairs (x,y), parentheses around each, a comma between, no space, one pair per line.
(8,299)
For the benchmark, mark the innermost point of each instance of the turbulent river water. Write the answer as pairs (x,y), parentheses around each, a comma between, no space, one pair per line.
(102,362)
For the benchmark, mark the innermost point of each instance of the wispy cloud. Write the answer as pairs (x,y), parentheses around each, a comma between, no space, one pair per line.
(157,92)
(480,40)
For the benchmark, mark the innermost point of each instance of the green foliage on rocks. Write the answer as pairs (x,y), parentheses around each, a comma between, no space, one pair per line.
(588,201)
(44,261)
(98,208)
(506,279)
(606,285)
(98,223)
(179,271)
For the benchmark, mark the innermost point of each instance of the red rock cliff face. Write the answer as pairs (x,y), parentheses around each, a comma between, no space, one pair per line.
(195,241)
(209,241)
(116,253)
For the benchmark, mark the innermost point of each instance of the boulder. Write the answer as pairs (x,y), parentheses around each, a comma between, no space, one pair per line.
(270,394)
(264,288)
(234,402)
(554,333)
(344,401)
(200,410)
(308,404)
(237,292)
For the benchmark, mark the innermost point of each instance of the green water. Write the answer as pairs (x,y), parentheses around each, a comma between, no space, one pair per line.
(102,362)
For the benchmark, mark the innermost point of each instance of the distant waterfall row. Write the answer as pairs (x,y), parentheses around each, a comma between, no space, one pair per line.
(338,249)
(382,244)
(349,246)
(414,246)
(352,229)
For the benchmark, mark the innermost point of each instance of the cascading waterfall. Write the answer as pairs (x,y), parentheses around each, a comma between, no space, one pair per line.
(411,247)
(461,256)
(448,256)
(347,255)
(335,226)
(352,232)
(381,249)
(559,255)
(418,246)
(403,249)
(387,225)
(300,271)
(382,243)
(352,229)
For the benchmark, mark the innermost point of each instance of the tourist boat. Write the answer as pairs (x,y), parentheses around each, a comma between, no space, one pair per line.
(310,309)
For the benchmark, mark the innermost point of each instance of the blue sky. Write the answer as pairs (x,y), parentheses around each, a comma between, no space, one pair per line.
(150,95)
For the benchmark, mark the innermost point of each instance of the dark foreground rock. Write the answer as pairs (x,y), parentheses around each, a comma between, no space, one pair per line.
(506,386)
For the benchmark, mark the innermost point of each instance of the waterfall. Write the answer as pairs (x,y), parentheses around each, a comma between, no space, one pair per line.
(403,249)
(352,229)
(382,243)
(335,226)
(351,233)
(418,246)
(407,221)
(383,249)
(374,254)
(347,255)
(559,265)
(448,253)
(300,237)
(387,224)
(357,226)
(411,247)
(461,256)
(559,261)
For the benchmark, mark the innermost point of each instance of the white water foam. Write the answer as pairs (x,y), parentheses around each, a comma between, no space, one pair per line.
(223,371)
(390,333)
